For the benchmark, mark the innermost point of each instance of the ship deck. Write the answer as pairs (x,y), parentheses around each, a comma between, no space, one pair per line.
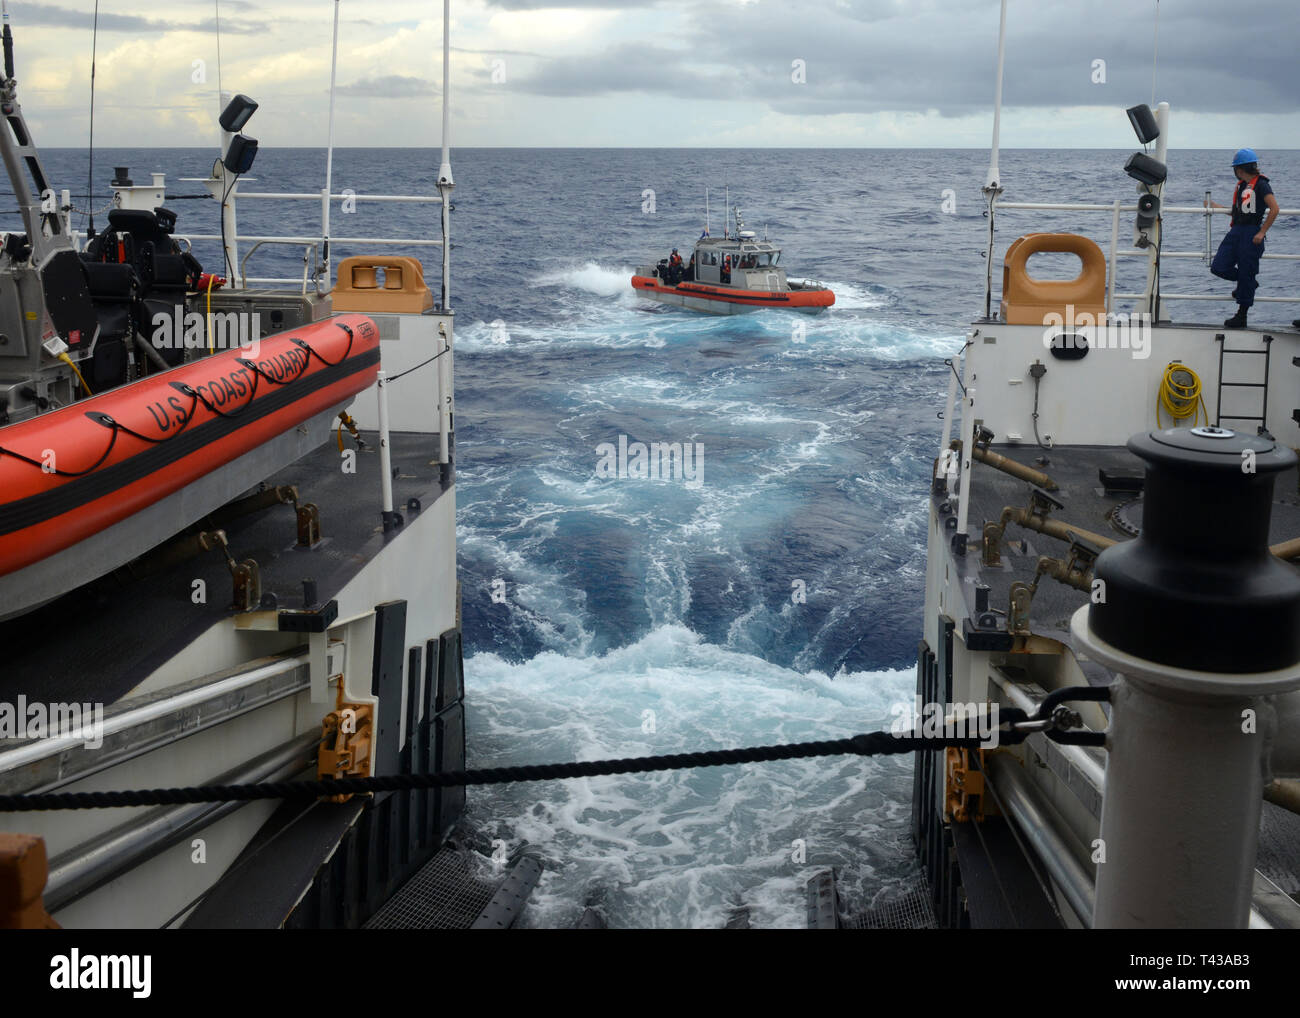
(100,640)
(1087,505)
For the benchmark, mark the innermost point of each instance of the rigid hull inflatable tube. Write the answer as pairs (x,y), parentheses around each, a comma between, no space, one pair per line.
(115,454)
(757,298)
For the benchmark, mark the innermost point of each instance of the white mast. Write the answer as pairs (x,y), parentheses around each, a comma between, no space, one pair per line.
(445,182)
(994,177)
(329,156)
(993,183)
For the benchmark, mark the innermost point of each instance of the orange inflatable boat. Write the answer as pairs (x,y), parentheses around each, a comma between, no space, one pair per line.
(69,473)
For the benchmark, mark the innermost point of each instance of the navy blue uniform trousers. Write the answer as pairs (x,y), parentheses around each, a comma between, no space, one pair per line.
(1238,259)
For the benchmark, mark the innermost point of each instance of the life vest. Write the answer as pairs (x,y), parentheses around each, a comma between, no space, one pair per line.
(1240,217)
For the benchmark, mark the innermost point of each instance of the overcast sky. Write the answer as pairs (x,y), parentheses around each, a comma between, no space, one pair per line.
(890,73)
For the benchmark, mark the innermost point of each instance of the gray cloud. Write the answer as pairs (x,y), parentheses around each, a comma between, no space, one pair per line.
(867,56)
(67,17)
(542,5)
(392,86)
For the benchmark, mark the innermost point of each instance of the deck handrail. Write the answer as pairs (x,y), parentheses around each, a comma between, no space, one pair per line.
(1115,253)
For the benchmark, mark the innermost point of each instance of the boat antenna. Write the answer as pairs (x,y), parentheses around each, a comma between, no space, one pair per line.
(90,173)
(8,42)
(706,211)
(1155,53)
(329,155)
(216,13)
(445,181)
(993,179)
(993,183)
(726,212)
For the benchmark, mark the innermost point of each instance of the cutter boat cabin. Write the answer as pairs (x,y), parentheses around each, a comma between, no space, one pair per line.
(732,274)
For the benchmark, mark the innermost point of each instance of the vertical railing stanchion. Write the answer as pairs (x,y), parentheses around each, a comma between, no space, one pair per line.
(385,451)
(1114,258)
(1208,217)
(444,399)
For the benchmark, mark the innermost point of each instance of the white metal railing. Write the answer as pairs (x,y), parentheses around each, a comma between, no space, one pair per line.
(324,261)
(426,199)
(1115,252)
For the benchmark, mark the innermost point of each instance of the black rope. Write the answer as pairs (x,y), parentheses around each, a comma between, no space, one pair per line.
(306,363)
(116,426)
(41,465)
(213,408)
(312,353)
(953,367)
(1014,726)
(196,398)
(872,744)
(394,378)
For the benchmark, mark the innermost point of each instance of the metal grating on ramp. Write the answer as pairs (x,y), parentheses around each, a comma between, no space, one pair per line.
(449,893)
(908,910)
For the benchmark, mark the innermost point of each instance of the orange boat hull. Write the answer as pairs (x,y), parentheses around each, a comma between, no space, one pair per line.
(799,300)
(73,472)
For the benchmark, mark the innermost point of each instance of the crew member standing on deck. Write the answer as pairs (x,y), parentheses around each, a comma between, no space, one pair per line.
(675,268)
(1239,254)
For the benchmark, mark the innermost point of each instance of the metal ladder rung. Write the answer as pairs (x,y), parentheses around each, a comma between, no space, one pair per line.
(1224,351)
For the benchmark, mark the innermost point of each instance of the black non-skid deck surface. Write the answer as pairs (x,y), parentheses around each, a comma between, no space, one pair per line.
(1075,470)
(1003,892)
(98,641)
(274,871)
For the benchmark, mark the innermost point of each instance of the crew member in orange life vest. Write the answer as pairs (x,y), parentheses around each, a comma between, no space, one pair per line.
(675,267)
(1239,254)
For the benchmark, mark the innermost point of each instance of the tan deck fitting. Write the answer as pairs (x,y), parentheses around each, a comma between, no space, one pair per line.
(1028,301)
(401,290)
(23,872)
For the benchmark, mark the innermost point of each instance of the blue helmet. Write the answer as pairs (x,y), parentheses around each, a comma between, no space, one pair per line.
(1243,156)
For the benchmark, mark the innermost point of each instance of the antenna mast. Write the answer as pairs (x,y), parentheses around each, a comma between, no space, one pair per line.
(90,173)
(993,184)
(1155,54)
(445,181)
(329,156)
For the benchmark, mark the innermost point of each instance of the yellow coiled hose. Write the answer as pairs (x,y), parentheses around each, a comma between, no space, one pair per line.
(1181,396)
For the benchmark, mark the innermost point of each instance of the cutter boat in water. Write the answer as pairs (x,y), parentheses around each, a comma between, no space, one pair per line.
(730,275)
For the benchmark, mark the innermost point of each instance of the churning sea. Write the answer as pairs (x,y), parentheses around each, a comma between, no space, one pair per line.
(778,599)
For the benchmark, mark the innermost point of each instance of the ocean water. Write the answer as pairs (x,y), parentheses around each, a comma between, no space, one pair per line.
(655,616)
